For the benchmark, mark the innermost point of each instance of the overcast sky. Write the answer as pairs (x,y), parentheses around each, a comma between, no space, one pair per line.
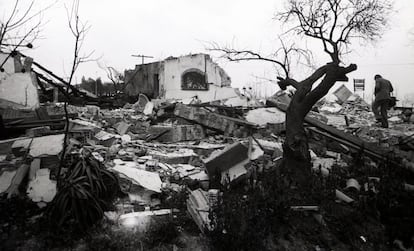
(162,28)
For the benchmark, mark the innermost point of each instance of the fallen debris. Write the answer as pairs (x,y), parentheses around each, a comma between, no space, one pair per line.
(227,163)
(41,188)
(147,180)
(263,116)
(198,207)
(141,221)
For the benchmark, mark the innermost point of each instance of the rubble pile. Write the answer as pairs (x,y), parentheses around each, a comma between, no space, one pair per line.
(160,149)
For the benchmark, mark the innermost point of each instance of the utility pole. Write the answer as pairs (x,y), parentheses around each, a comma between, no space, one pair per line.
(142,57)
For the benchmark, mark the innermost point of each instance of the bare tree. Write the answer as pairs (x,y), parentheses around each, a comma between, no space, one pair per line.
(79,31)
(283,57)
(21,27)
(335,24)
(114,75)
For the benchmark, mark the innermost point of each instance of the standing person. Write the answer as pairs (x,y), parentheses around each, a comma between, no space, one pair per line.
(383,88)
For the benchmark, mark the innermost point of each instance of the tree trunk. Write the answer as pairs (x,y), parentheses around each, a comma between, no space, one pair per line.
(296,155)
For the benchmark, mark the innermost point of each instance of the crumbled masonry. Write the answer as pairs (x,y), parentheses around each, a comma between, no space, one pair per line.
(196,150)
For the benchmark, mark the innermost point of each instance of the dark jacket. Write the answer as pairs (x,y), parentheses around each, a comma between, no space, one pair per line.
(383,88)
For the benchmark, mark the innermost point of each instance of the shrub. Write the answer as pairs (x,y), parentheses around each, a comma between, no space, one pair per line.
(84,194)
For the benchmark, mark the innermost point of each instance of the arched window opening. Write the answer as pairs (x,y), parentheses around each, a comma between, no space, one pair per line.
(193,79)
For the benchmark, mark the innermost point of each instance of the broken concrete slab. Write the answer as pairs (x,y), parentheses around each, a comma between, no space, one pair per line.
(176,133)
(223,160)
(21,146)
(211,120)
(51,145)
(342,93)
(82,130)
(235,172)
(105,138)
(147,180)
(271,145)
(263,116)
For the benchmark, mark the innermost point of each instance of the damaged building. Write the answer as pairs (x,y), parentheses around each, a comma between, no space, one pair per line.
(180,78)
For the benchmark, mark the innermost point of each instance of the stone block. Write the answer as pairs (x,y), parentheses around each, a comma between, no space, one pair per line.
(221,161)
(177,133)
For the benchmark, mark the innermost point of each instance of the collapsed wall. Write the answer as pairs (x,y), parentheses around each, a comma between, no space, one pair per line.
(18,85)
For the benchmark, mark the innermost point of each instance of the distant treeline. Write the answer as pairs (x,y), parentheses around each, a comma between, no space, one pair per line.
(97,87)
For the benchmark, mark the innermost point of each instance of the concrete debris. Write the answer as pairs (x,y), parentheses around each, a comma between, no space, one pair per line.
(21,146)
(198,207)
(227,163)
(141,221)
(210,120)
(330,108)
(234,172)
(175,156)
(148,109)
(263,116)
(122,127)
(176,133)
(256,152)
(105,138)
(161,148)
(323,165)
(342,93)
(51,145)
(147,180)
(41,188)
